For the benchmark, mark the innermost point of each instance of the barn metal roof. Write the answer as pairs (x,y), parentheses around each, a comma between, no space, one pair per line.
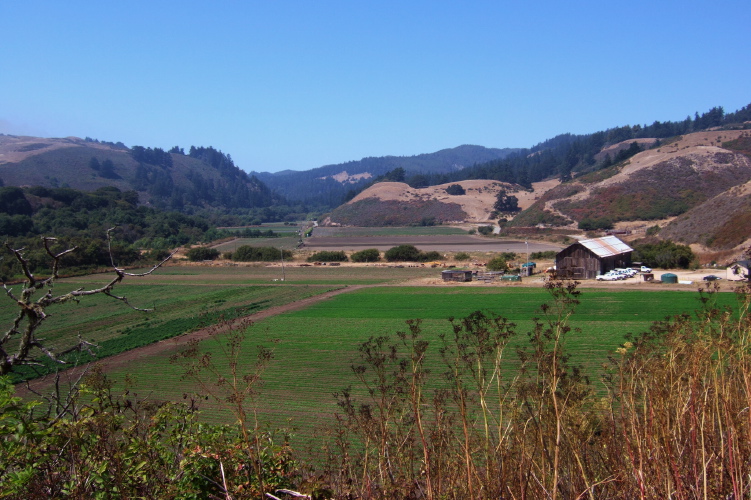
(606,246)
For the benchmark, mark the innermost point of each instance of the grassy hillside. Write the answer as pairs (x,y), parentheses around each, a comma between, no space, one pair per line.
(375,212)
(698,177)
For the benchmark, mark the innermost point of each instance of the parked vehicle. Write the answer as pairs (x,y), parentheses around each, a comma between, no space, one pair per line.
(610,276)
(646,269)
(711,277)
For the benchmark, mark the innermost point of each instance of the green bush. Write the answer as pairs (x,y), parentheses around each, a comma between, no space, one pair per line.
(485,230)
(547,254)
(157,254)
(367,255)
(664,254)
(462,256)
(409,253)
(328,256)
(428,256)
(402,253)
(497,263)
(247,253)
(593,224)
(198,254)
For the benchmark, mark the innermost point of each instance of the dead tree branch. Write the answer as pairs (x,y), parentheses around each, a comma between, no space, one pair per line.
(19,344)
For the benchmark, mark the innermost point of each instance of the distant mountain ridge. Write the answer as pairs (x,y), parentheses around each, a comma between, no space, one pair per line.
(337,180)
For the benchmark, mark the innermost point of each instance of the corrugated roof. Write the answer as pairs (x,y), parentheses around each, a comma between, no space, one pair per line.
(606,246)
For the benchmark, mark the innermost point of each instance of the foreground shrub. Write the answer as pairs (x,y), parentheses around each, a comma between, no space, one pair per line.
(247,253)
(98,444)
(202,253)
(328,256)
(367,255)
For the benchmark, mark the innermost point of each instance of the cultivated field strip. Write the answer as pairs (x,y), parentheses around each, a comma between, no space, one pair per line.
(315,347)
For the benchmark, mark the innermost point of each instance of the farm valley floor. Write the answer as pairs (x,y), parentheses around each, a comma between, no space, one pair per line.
(316,319)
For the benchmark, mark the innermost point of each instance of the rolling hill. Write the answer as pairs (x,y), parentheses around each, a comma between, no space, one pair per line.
(695,188)
(397,203)
(203,178)
(332,183)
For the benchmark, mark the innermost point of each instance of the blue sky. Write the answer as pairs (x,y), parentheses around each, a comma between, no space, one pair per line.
(283,84)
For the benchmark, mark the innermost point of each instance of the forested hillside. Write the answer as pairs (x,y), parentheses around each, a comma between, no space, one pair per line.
(568,154)
(202,178)
(81,219)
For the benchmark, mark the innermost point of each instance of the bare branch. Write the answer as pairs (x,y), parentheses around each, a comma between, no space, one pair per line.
(292,493)
(18,254)
(154,268)
(32,312)
(124,300)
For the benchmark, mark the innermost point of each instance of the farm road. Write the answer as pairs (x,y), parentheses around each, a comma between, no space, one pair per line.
(43,384)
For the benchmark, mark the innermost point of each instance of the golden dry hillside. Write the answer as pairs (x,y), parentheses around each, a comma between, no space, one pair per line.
(396,203)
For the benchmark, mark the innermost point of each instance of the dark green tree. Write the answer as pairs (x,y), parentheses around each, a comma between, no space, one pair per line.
(455,190)
(506,203)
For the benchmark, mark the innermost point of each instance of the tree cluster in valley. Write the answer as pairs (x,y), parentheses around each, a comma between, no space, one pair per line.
(82,219)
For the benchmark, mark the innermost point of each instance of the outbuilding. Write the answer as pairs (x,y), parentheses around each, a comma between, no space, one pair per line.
(456,275)
(739,271)
(586,259)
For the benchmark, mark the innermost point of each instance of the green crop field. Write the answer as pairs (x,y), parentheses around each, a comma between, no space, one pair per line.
(184,298)
(177,308)
(315,347)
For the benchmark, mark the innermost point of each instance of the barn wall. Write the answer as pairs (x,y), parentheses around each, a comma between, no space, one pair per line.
(578,262)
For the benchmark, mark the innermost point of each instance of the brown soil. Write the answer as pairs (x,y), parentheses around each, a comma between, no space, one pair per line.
(445,243)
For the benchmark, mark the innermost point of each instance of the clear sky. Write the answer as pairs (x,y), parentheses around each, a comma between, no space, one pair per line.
(283,84)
